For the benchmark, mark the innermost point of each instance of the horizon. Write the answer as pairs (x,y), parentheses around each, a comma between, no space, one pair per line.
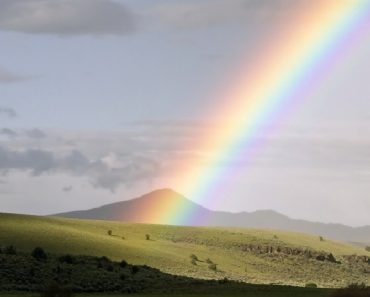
(238,105)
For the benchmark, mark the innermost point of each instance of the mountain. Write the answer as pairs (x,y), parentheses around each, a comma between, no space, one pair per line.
(141,210)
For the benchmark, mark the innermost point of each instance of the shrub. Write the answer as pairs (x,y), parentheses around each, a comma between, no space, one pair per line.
(134,269)
(105,259)
(103,262)
(353,290)
(194,257)
(311,285)
(110,233)
(123,264)
(122,276)
(321,238)
(360,286)
(147,236)
(224,280)
(213,266)
(53,289)
(39,254)
(10,250)
(67,259)
(209,261)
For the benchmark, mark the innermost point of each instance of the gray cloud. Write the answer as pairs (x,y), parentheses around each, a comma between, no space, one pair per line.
(149,150)
(37,161)
(7,111)
(35,133)
(65,17)
(190,14)
(8,132)
(131,170)
(101,172)
(67,189)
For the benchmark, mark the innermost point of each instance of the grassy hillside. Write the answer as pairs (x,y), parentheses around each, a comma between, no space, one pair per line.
(257,256)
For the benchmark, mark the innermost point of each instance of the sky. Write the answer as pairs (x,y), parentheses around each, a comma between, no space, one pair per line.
(103,101)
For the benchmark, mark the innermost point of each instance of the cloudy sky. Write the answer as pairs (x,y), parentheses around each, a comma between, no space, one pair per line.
(99,98)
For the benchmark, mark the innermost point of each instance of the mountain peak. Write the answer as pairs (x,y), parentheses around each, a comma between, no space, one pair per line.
(164,191)
(155,207)
(165,206)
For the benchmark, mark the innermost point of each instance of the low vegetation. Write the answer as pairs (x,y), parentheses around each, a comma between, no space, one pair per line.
(245,255)
(63,275)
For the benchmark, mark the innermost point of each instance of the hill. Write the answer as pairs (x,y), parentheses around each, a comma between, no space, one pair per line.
(248,255)
(135,211)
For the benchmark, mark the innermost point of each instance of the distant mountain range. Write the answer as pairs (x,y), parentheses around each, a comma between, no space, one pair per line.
(139,210)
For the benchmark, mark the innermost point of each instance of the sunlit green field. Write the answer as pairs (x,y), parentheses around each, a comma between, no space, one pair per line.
(170,247)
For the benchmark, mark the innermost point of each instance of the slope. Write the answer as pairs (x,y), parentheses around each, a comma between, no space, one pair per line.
(256,256)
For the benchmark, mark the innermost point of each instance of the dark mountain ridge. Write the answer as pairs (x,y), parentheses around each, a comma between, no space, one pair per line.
(141,210)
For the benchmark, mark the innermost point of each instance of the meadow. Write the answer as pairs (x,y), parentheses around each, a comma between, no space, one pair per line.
(246,255)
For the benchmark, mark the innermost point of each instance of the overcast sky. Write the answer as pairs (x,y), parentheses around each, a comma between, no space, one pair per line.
(98,98)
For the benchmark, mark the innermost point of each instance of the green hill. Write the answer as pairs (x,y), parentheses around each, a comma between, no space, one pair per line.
(256,256)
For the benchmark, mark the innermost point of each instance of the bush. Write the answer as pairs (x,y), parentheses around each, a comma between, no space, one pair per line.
(134,269)
(53,289)
(224,280)
(311,285)
(110,233)
(67,259)
(209,261)
(103,262)
(213,266)
(147,236)
(361,286)
(105,259)
(10,250)
(39,254)
(321,238)
(353,290)
(123,264)
(194,257)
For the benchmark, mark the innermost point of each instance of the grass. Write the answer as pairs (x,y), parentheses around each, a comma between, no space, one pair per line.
(170,247)
(317,293)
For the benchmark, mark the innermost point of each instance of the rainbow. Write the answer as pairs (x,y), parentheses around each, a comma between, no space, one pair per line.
(318,37)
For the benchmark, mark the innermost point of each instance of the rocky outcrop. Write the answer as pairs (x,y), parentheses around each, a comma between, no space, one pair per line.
(283,250)
(355,259)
